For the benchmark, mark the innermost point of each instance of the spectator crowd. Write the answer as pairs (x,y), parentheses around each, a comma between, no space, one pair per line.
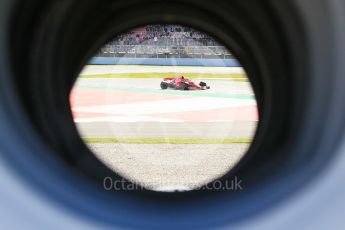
(165,35)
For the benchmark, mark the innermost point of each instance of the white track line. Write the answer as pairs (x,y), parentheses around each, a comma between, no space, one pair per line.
(166,106)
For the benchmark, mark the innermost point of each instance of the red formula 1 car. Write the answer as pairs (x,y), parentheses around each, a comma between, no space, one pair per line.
(182,83)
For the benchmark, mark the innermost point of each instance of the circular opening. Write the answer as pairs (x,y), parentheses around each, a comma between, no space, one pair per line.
(166,107)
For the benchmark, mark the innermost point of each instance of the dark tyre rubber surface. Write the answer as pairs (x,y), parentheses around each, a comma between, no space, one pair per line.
(202,84)
(164,85)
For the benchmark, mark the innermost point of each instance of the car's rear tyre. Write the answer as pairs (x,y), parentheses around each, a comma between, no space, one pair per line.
(164,85)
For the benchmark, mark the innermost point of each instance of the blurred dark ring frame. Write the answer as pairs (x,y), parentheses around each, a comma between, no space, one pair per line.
(282,46)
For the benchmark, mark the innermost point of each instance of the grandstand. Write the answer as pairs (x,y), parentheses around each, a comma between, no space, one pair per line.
(164,41)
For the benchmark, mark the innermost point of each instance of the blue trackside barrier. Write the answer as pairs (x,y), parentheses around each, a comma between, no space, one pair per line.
(165,61)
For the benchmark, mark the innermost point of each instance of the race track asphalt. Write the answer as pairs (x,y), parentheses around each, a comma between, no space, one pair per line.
(122,108)
(137,108)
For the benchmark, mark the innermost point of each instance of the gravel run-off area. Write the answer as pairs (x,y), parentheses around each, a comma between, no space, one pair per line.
(160,166)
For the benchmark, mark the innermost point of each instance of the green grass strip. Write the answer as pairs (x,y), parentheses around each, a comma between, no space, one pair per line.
(91,140)
(239,76)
